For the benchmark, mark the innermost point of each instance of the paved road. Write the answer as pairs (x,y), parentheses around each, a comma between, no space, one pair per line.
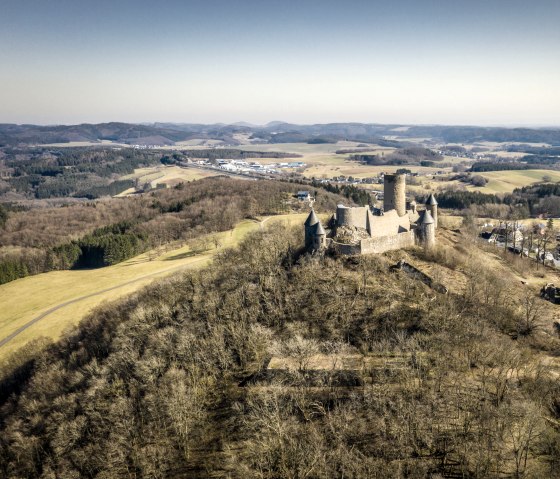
(81,298)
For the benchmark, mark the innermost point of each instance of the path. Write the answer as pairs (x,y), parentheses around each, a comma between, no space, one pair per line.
(53,309)
(46,313)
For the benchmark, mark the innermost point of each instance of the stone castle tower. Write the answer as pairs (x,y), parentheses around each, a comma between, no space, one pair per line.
(315,234)
(431,206)
(427,230)
(366,229)
(394,187)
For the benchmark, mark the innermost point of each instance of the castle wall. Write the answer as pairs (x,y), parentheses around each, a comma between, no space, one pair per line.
(387,243)
(388,224)
(345,249)
(394,194)
(352,216)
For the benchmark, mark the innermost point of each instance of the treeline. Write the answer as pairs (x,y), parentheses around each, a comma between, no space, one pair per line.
(357,195)
(3,215)
(75,172)
(535,150)
(117,229)
(501,166)
(213,154)
(533,200)
(173,382)
(104,247)
(462,199)
(112,189)
(402,156)
(474,134)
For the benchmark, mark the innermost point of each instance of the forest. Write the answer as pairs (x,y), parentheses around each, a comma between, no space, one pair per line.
(273,132)
(73,172)
(401,156)
(172,381)
(102,233)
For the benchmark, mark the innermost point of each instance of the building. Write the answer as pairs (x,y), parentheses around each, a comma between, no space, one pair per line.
(364,230)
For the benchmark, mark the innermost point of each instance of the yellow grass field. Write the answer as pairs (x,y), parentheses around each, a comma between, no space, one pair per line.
(507,181)
(24,299)
(168,175)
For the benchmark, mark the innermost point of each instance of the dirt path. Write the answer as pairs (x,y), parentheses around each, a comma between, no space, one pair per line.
(57,307)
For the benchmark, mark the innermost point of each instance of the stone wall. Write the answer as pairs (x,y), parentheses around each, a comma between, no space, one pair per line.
(376,245)
(347,249)
(352,216)
(388,224)
(387,243)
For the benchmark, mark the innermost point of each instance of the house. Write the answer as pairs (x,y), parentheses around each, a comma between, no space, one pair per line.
(303,195)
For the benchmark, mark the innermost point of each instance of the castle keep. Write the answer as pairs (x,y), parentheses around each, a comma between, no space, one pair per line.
(364,230)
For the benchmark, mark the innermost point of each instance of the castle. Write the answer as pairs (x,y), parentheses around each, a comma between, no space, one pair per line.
(364,230)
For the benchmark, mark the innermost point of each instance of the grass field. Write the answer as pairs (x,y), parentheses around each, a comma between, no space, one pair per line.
(24,299)
(323,162)
(168,175)
(507,181)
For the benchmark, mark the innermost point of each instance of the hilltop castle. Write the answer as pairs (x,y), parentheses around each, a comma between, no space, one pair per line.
(364,230)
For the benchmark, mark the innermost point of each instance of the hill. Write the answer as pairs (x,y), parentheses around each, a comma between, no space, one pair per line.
(273,364)
(106,232)
(273,132)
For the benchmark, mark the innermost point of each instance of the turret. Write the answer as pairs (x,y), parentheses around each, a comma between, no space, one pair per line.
(319,237)
(309,225)
(427,230)
(431,205)
(394,194)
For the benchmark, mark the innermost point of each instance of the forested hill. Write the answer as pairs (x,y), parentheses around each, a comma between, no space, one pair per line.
(102,233)
(173,381)
(274,132)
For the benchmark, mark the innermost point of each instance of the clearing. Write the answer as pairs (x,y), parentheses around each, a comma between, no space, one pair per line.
(507,181)
(168,175)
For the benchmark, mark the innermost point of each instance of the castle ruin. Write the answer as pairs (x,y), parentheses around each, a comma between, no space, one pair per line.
(365,230)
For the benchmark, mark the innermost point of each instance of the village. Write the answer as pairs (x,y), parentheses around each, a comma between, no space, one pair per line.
(537,240)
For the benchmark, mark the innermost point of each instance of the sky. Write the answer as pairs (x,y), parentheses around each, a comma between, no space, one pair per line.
(478,62)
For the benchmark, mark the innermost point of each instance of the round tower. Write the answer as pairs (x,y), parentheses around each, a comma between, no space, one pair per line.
(309,225)
(394,194)
(431,205)
(427,230)
(319,237)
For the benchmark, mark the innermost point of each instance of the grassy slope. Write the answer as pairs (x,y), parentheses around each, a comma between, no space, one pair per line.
(507,181)
(165,175)
(24,299)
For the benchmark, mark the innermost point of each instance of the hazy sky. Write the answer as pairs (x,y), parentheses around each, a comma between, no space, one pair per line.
(401,61)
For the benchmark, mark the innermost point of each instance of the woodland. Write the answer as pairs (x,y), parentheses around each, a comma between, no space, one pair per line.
(105,232)
(172,382)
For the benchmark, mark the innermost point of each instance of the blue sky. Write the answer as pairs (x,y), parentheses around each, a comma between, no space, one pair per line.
(401,61)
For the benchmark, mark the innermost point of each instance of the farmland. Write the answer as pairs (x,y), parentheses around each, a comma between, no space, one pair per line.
(507,181)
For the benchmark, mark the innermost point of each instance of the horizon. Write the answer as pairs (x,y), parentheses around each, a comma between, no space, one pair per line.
(269,123)
(427,62)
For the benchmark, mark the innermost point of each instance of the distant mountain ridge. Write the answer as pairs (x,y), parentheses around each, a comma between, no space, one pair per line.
(162,133)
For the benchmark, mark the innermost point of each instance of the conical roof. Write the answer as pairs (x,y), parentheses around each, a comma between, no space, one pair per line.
(431,200)
(319,230)
(311,219)
(427,218)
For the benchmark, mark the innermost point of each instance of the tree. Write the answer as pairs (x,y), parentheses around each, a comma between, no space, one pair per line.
(3,215)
